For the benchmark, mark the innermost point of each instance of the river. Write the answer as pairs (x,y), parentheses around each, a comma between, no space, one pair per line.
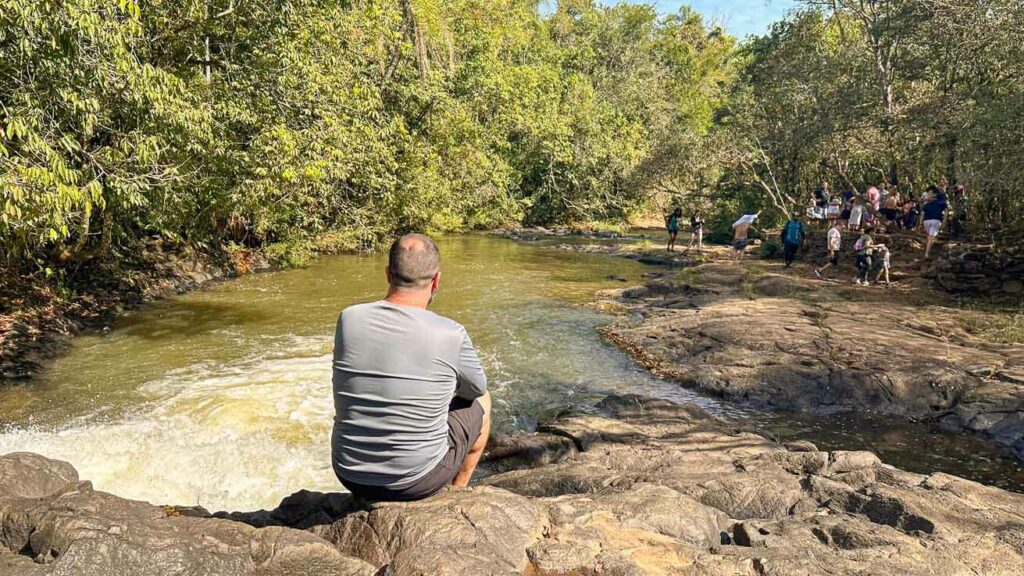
(222,397)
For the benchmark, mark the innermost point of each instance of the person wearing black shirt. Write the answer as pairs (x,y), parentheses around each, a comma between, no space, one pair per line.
(934,211)
(696,231)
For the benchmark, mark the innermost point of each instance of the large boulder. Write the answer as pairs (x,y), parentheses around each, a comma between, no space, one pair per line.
(81,531)
(27,475)
(648,494)
(483,531)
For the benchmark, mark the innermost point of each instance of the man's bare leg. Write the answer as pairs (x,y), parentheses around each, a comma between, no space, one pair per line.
(477,450)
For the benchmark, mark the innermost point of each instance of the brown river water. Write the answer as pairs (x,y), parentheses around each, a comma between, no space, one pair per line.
(222,397)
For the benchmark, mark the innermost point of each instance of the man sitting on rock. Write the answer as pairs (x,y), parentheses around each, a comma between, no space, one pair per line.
(412,412)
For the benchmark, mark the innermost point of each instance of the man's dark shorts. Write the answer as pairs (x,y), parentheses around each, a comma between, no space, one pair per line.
(465,422)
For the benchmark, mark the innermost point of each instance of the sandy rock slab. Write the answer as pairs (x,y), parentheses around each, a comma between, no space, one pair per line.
(629,487)
(789,343)
(662,489)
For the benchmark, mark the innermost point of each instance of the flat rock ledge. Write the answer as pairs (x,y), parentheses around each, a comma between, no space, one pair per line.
(634,486)
(803,345)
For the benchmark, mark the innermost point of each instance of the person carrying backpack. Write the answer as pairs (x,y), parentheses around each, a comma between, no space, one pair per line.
(792,237)
(864,248)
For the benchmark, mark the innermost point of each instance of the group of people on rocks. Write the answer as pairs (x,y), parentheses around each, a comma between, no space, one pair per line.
(884,207)
(871,257)
(880,207)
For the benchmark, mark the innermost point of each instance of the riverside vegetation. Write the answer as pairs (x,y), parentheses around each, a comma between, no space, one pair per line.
(132,131)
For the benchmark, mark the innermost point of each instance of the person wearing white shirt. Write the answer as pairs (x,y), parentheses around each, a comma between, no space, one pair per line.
(834,240)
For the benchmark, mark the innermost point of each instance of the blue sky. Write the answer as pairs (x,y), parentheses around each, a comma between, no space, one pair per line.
(739,17)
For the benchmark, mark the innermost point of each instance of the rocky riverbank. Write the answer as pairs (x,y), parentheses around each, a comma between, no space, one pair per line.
(794,343)
(634,247)
(632,487)
(38,317)
(779,338)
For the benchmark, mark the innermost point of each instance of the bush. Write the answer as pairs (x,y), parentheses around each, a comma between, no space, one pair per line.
(770,249)
(289,253)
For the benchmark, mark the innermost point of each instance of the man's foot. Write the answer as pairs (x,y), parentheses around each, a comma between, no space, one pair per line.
(818,274)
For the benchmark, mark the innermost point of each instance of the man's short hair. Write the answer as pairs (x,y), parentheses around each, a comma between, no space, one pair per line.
(413,261)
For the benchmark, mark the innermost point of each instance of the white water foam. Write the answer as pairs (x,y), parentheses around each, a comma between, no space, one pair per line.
(239,437)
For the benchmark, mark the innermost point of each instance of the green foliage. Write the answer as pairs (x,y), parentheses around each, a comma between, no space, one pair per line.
(290,253)
(304,126)
(859,92)
(770,248)
(320,126)
(88,130)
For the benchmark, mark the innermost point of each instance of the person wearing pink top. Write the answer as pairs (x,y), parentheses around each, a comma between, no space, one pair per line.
(874,198)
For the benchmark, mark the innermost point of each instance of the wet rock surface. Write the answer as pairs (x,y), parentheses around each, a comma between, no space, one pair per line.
(632,487)
(797,344)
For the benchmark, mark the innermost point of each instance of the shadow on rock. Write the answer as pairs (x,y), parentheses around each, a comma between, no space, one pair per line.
(302,510)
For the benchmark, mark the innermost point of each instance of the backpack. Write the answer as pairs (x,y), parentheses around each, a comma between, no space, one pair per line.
(792,235)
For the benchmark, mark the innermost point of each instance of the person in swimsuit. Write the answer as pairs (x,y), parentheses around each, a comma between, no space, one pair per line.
(740,230)
(856,214)
(891,210)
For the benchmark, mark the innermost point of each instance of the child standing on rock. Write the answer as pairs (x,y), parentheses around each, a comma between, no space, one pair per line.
(834,241)
(882,263)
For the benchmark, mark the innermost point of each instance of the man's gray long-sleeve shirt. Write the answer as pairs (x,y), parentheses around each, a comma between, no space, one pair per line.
(396,369)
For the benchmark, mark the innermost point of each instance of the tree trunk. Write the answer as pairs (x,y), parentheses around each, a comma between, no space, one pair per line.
(108,230)
(415,34)
(951,154)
